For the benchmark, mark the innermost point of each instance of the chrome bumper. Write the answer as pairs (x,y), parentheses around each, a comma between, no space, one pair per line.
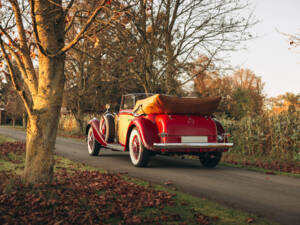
(191,145)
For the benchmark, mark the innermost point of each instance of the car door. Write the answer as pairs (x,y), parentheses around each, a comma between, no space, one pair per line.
(125,117)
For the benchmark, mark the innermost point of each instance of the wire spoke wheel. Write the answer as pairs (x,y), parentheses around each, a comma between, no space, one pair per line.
(139,155)
(136,147)
(93,144)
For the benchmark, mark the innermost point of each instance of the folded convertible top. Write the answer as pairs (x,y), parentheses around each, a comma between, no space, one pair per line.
(164,104)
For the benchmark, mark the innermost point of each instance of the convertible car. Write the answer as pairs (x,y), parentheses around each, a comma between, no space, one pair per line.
(150,124)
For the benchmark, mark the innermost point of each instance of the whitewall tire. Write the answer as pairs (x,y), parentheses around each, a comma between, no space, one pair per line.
(139,155)
(93,145)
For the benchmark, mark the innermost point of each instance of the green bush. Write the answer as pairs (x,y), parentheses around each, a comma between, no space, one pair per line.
(276,136)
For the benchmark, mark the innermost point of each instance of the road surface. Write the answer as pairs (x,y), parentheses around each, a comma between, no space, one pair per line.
(274,197)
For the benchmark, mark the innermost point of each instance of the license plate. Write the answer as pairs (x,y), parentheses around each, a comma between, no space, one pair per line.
(194,139)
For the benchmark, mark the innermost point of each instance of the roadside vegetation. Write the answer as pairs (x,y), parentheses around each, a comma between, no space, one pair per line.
(267,141)
(84,195)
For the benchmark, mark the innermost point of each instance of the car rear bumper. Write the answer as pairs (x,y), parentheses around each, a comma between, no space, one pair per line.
(191,145)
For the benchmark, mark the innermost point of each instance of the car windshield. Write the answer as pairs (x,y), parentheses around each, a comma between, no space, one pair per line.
(128,101)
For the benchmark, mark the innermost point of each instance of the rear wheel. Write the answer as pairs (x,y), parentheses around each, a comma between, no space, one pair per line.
(93,145)
(139,155)
(210,159)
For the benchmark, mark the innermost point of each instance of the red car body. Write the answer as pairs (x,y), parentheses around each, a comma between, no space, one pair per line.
(158,134)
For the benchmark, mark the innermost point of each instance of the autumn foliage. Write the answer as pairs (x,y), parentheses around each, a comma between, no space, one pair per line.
(83,198)
(17,148)
(274,165)
(77,196)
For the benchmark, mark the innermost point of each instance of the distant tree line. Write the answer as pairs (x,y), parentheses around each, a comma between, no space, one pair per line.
(91,52)
(151,48)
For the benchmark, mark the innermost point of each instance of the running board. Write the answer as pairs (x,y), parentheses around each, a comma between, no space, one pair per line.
(115,147)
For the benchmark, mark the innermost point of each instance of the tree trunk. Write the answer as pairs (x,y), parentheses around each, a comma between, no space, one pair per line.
(14,122)
(43,120)
(24,120)
(42,125)
(81,125)
(39,150)
(79,117)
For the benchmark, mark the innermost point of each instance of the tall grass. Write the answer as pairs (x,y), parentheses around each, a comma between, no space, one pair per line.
(67,123)
(276,136)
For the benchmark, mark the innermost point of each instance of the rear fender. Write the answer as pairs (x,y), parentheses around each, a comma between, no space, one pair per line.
(221,131)
(94,123)
(220,128)
(147,130)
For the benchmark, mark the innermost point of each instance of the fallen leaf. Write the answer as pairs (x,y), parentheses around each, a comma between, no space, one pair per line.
(250,220)
(270,173)
(168,183)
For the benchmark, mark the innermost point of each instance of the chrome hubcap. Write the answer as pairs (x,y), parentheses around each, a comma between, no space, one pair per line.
(91,140)
(136,147)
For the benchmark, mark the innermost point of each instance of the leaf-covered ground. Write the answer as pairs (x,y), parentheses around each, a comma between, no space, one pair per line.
(263,163)
(84,195)
(11,148)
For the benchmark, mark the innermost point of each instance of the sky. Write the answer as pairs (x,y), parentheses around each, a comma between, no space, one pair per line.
(270,56)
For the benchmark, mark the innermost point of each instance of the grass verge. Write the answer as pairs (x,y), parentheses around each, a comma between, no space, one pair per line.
(5,139)
(262,164)
(85,195)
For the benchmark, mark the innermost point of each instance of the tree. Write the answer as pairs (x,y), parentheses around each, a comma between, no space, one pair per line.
(208,81)
(13,105)
(94,74)
(241,104)
(163,37)
(293,101)
(294,39)
(40,40)
(10,100)
(288,102)
(241,92)
(245,79)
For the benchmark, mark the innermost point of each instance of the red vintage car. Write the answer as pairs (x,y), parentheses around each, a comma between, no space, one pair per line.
(150,124)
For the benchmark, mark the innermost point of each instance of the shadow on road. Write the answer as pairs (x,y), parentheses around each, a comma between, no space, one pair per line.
(157,161)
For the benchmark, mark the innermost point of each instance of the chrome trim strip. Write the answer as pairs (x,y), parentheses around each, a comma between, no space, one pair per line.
(191,145)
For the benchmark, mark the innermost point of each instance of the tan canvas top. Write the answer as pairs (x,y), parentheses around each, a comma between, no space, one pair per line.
(163,104)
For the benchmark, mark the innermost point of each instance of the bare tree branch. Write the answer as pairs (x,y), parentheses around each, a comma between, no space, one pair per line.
(69,7)
(35,32)
(70,24)
(14,44)
(83,30)
(21,92)
(19,23)
(32,78)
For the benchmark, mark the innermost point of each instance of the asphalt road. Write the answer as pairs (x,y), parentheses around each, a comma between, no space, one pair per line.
(274,197)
